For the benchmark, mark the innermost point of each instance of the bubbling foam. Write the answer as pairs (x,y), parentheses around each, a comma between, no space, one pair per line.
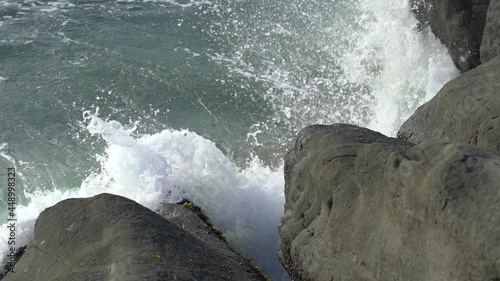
(246,203)
(399,67)
(361,62)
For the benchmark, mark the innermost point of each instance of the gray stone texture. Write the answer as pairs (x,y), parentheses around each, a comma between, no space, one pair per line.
(465,110)
(490,46)
(112,238)
(361,206)
(459,24)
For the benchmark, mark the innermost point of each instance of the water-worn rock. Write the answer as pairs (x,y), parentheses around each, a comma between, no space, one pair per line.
(458,23)
(186,218)
(465,110)
(490,46)
(361,206)
(109,237)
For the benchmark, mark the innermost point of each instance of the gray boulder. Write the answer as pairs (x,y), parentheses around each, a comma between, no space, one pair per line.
(465,110)
(459,24)
(361,206)
(490,46)
(109,237)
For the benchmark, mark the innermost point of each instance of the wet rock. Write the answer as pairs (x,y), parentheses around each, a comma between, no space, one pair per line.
(459,24)
(490,46)
(193,220)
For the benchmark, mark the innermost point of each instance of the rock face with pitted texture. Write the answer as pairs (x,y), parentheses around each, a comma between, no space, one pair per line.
(362,206)
(110,238)
(466,110)
(459,24)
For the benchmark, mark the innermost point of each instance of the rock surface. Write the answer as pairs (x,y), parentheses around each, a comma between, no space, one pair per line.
(490,46)
(465,110)
(361,206)
(186,219)
(109,237)
(458,23)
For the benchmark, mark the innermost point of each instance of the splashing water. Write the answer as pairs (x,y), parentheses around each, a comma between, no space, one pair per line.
(360,62)
(398,67)
(243,76)
(171,165)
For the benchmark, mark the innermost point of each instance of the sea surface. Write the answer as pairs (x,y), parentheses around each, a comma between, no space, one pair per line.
(157,100)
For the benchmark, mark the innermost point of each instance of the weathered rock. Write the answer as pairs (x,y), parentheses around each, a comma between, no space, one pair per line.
(361,206)
(187,219)
(458,23)
(192,219)
(490,46)
(465,110)
(109,237)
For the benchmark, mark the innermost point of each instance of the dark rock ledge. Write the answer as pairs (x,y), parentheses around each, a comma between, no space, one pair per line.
(111,238)
(459,24)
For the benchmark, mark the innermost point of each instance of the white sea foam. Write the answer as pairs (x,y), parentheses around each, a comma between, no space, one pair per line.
(49,9)
(365,65)
(167,166)
(401,67)
(3,146)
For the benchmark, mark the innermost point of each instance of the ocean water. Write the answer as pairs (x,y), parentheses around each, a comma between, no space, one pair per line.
(157,100)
